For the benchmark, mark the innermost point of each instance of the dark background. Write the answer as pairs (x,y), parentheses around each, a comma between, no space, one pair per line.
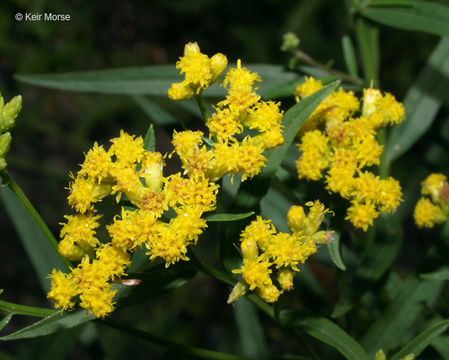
(56,127)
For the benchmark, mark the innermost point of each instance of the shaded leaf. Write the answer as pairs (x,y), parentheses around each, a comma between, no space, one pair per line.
(387,332)
(155,112)
(148,80)
(252,337)
(149,141)
(334,252)
(326,331)
(51,324)
(5,320)
(349,56)
(229,217)
(40,251)
(415,15)
(419,343)
(441,274)
(57,345)
(421,102)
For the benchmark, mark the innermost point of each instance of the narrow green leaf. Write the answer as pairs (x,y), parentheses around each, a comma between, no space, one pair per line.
(148,80)
(419,343)
(40,251)
(334,252)
(252,337)
(57,345)
(440,345)
(52,323)
(13,308)
(387,332)
(377,258)
(392,3)
(417,15)
(421,102)
(368,39)
(155,112)
(441,274)
(149,142)
(229,217)
(349,56)
(327,332)
(5,320)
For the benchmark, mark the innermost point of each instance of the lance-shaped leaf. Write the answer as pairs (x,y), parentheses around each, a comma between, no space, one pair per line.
(327,332)
(417,15)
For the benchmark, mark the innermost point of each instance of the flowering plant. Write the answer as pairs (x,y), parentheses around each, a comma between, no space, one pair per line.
(285,192)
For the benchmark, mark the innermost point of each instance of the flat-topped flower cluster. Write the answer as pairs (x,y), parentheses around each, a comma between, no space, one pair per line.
(338,144)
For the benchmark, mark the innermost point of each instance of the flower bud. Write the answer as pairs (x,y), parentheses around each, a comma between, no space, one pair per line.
(218,64)
(152,166)
(191,49)
(296,219)
(5,141)
(10,112)
(3,164)
(180,91)
(69,250)
(285,279)
(249,248)
(323,237)
(237,292)
(432,186)
(269,293)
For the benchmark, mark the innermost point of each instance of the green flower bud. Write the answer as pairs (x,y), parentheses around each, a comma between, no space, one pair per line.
(289,42)
(380,355)
(10,112)
(5,141)
(237,292)
(3,164)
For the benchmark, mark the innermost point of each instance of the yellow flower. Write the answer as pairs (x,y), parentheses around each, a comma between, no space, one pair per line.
(362,215)
(427,214)
(97,164)
(224,125)
(241,95)
(256,273)
(199,71)
(63,289)
(433,185)
(127,149)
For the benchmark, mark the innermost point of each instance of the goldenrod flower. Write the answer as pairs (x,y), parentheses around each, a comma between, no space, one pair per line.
(429,212)
(270,257)
(337,142)
(199,71)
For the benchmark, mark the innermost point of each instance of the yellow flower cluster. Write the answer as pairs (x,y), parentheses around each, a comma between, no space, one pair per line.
(271,258)
(336,142)
(126,169)
(199,71)
(433,209)
(241,109)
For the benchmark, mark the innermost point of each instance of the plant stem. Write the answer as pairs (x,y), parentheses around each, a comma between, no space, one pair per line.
(192,350)
(383,166)
(200,100)
(339,74)
(14,187)
(205,269)
(13,308)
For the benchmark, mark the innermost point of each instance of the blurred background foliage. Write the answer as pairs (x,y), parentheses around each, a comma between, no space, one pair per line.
(56,127)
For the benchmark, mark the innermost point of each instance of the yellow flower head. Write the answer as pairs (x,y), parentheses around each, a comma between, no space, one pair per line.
(362,215)
(199,71)
(427,214)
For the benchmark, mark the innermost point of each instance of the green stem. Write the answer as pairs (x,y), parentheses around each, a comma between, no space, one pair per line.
(301,55)
(192,350)
(200,100)
(13,308)
(10,182)
(383,166)
(205,269)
